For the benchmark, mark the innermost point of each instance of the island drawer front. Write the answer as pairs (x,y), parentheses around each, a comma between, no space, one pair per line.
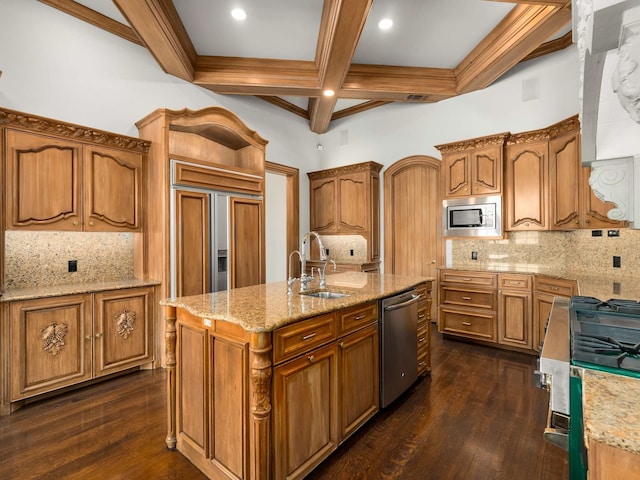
(469,278)
(423,361)
(515,282)
(352,319)
(303,336)
(469,297)
(555,286)
(466,324)
(423,338)
(422,315)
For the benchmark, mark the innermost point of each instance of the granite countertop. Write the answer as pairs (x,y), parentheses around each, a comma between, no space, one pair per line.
(12,295)
(266,307)
(611,414)
(603,287)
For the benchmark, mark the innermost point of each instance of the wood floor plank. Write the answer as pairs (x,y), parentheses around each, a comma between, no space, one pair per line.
(478,416)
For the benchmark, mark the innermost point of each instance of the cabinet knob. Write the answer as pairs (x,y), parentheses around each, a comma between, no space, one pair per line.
(91,223)
(76,223)
(341,344)
(88,337)
(586,221)
(312,358)
(98,335)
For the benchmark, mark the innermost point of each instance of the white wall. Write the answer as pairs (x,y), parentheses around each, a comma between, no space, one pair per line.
(57,66)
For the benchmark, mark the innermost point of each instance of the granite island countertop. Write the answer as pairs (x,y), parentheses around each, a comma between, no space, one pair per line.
(603,287)
(610,409)
(12,295)
(266,307)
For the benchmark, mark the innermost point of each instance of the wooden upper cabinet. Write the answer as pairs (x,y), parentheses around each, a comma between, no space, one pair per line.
(526,183)
(565,178)
(473,167)
(346,200)
(113,182)
(43,186)
(66,177)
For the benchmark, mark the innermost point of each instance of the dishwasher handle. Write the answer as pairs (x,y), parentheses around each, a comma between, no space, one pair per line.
(396,306)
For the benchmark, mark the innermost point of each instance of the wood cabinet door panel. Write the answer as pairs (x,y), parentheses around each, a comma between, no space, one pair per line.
(514,319)
(457,171)
(43,182)
(112,190)
(564,179)
(486,170)
(468,297)
(192,355)
(122,329)
(304,336)
(323,213)
(542,305)
(359,376)
(352,203)
(526,186)
(192,243)
(468,324)
(51,344)
(305,412)
(246,235)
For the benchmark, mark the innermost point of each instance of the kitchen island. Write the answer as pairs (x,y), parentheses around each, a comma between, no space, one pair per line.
(263,385)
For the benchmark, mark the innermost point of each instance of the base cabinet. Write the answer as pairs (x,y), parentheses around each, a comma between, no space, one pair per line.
(514,310)
(545,289)
(61,341)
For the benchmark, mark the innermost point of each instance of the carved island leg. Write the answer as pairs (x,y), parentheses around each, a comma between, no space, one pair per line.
(170,350)
(261,370)
(429,305)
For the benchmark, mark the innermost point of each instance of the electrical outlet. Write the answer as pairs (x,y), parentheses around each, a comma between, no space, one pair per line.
(73,265)
(474,255)
(596,233)
(613,233)
(616,261)
(351,252)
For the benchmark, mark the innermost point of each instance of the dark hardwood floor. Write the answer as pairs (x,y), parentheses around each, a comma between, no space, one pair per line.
(477,417)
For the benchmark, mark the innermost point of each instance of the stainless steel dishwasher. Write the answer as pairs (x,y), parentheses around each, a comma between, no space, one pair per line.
(398,345)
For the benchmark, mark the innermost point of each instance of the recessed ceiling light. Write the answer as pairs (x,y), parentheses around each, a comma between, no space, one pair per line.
(238,14)
(385,24)
(328,93)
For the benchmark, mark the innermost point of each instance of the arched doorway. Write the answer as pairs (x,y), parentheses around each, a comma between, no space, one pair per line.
(413,219)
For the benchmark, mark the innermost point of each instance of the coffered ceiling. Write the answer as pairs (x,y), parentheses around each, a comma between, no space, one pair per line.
(288,52)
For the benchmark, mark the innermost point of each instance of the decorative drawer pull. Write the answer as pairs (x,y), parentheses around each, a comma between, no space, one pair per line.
(312,358)
(555,288)
(360,317)
(421,339)
(421,364)
(309,337)
(466,324)
(341,344)
(467,279)
(466,298)
(422,315)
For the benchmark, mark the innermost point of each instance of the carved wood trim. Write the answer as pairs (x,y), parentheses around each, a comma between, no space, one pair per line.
(545,134)
(170,352)
(34,123)
(53,337)
(125,323)
(497,139)
(347,169)
(261,371)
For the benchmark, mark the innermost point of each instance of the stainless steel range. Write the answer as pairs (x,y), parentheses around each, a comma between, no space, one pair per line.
(584,333)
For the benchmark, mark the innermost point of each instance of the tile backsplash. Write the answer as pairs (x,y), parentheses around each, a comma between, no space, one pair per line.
(576,250)
(340,247)
(41,258)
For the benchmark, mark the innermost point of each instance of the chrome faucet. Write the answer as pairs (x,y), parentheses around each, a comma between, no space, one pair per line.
(291,279)
(304,278)
(321,273)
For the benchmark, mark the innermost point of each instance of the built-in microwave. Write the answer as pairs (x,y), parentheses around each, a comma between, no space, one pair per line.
(472,216)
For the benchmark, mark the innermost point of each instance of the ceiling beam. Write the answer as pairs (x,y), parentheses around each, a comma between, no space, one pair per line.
(158,25)
(288,106)
(257,76)
(551,46)
(94,18)
(523,29)
(340,28)
(361,107)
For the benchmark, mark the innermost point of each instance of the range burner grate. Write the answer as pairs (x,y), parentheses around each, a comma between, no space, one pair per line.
(606,333)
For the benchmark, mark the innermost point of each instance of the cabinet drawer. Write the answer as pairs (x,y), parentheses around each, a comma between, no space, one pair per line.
(468,278)
(423,315)
(423,339)
(423,361)
(303,336)
(469,297)
(352,319)
(468,325)
(554,286)
(514,282)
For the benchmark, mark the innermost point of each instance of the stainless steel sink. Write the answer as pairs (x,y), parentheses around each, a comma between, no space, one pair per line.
(325,294)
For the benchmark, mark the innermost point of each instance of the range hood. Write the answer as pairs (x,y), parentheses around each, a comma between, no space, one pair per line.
(607,33)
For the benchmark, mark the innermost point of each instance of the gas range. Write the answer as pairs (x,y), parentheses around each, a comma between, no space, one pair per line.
(605,335)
